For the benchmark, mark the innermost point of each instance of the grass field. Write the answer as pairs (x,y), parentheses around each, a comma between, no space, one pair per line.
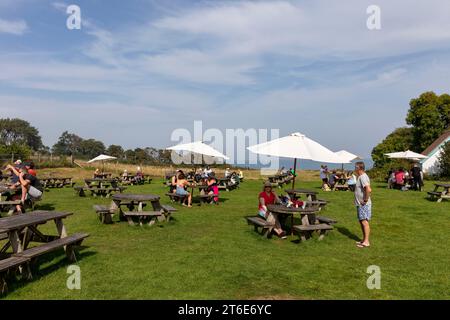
(209,252)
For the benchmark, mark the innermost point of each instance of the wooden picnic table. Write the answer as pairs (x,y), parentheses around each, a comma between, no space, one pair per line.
(311,195)
(138,201)
(306,214)
(441,191)
(341,184)
(14,225)
(23,229)
(56,182)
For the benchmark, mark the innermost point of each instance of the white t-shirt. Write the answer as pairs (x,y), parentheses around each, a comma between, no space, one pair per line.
(323,174)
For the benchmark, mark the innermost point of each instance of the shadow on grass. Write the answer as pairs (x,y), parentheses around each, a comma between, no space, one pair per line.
(45,206)
(38,273)
(347,233)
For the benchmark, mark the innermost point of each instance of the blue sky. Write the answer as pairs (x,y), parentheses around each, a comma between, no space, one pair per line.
(139,69)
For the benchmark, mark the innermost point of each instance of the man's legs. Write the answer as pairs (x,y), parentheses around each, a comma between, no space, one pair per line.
(365,227)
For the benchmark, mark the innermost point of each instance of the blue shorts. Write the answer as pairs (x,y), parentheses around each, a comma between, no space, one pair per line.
(181,192)
(364,212)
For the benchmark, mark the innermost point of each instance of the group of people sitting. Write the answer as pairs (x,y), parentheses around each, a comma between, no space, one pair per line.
(403,179)
(180,182)
(23,183)
(330,178)
(138,178)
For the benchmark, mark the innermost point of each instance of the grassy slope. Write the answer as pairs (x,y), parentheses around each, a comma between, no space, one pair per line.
(210,252)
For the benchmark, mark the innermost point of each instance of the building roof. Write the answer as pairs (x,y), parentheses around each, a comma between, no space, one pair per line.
(437,142)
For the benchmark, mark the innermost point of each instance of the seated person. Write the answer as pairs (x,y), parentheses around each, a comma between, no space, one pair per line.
(351,182)
(97,173)
(212,189)
(173,181)
(332,178)
(399,178)
(241,175)
(182,183)
(266,197)
(30,186)
(31,168)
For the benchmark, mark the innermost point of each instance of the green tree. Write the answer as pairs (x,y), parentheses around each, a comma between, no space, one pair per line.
(20,151)
(400,139)
(429,115)
(19,132)
(115,151)
(444,160)
(91,148)
(68,144)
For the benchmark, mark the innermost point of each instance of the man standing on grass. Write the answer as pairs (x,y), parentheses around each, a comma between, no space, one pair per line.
(363,202)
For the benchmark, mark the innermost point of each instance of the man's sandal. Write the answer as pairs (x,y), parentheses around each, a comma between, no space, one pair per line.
(361,245)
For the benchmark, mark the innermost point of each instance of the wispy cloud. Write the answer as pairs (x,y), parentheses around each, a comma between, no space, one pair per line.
(16,27)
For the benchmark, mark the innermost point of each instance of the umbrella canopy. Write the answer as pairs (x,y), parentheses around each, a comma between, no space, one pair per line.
(102,157)
(405,155)
(297,146)
(347,156)
(200,148)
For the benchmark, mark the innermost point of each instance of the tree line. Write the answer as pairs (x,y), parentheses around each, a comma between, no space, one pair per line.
(428,117)
(20,138)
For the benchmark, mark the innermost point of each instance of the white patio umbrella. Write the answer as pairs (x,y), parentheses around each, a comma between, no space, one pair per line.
(102,158)
(405,155)
(297,146)
(200,148)
(347,157)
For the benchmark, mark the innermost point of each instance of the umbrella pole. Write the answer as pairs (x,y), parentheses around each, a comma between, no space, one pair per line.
(295,169)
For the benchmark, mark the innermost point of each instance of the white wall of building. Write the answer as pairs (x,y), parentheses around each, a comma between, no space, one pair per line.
(431,165)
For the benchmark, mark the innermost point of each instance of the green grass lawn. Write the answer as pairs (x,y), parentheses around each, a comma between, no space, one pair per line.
(210,252)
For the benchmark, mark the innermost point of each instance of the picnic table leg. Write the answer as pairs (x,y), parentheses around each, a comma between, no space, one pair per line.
(14,239)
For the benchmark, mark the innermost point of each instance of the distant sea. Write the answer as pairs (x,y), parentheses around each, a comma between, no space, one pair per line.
(312,165)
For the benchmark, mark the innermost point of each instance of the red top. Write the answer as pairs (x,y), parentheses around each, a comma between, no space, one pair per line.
(399,177)
(268,198)
(32,172)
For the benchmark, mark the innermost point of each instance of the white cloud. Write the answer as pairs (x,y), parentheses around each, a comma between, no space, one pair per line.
(16,27)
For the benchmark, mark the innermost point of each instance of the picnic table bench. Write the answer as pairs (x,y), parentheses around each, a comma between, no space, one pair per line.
(131,201)
(10,205)
(174,197)
(57,182)
(98,191)
(22,229)
(438,194)
(258,222)
(310,222)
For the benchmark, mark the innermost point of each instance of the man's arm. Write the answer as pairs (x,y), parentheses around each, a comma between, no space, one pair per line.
(23,181)
(367,192)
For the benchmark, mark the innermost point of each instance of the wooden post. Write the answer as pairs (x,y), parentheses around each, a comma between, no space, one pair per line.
(295,168)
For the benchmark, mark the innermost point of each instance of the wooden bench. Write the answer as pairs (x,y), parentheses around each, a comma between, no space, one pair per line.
(10,205)
(326,220)
(258,222)
(141,215)
(208,198)
(167,211)
(8,267)
(68,243)
(105,213)
(106,192)
(305,231)
(438,195)
(176,197)
(81,191)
